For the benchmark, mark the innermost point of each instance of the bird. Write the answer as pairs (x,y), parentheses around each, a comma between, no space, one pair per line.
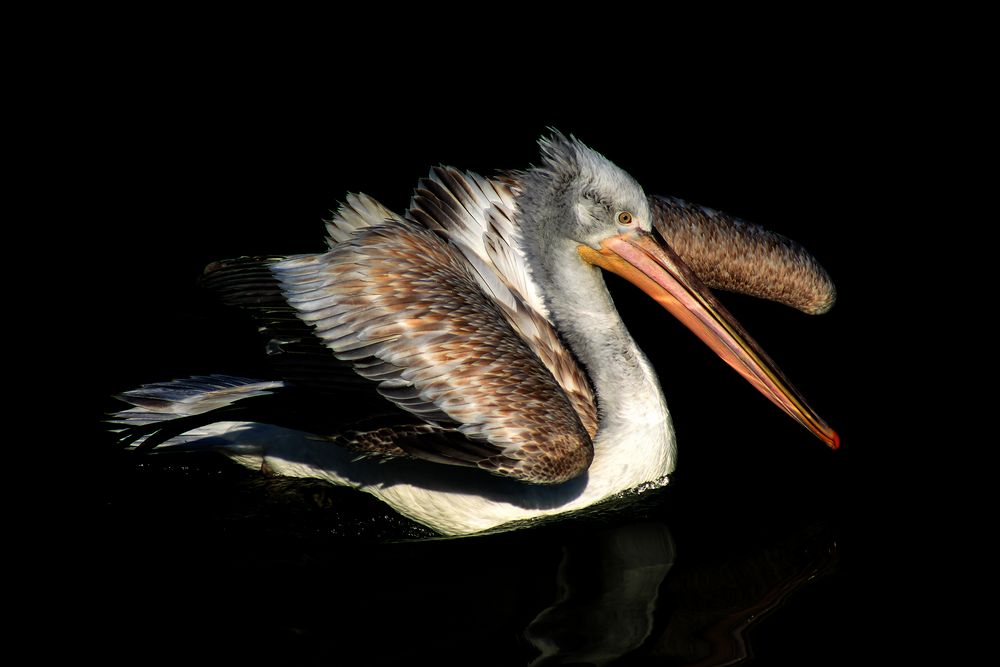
(464,362)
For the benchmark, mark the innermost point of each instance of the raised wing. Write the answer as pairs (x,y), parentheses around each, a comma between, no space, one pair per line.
(403,306)
(476,215)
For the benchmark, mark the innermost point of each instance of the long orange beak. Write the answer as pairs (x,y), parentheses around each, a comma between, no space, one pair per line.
(658,271)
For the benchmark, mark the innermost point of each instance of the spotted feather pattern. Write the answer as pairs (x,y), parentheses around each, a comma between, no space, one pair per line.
(400,303)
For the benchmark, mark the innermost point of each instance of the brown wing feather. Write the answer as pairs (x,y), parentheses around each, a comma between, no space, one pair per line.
(398,298)
(728,253)
(475,214)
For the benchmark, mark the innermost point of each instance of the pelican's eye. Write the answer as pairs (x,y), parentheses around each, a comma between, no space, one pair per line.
(625,218)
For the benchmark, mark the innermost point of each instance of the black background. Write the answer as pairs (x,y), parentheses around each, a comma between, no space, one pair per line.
(199,161)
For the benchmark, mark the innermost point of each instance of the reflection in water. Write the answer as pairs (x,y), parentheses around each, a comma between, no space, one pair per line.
(265,572)
(613,589)
(710,604)
(607,584)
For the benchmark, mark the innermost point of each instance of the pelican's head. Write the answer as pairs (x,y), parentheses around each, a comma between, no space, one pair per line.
(578,199)
(579,195)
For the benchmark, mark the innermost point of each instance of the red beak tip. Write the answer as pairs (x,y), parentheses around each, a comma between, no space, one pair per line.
(834,440)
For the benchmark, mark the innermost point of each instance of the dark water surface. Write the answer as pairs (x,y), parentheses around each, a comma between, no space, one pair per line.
(765,547)
(213,559)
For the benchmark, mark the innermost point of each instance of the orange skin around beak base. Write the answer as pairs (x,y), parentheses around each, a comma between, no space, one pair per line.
(659,272)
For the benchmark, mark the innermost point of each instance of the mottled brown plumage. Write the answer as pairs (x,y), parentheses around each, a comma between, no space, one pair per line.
(400,303)
(476,215)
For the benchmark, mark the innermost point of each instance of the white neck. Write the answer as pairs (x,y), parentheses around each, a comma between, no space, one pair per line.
(634,441)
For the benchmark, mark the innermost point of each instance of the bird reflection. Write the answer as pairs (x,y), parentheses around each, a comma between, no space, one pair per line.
(615,598)
(607,587)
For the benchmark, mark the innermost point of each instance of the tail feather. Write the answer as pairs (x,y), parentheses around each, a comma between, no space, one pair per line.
(168,413)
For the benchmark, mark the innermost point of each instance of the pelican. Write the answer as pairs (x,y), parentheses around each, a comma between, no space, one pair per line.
(464,362)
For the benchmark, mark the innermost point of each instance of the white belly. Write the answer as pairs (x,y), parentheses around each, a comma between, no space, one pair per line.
(450,500)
